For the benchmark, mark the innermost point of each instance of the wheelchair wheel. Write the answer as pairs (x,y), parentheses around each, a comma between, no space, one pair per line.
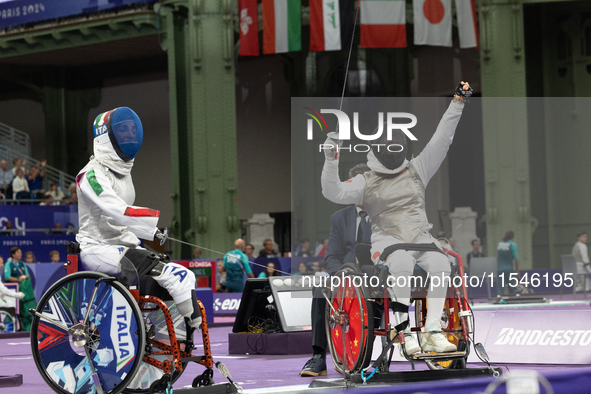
(7,322)
(155,321)
(113,337)
(356,341)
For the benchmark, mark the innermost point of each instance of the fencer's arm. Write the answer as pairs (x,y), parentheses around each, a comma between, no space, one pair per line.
(19,295)
(429,160)
(349,192)
(141,221)
(6,291)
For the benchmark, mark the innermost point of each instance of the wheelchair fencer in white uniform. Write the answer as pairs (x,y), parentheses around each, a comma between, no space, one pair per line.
(90,333)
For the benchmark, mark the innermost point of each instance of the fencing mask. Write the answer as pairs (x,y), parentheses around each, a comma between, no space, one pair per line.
(391,153)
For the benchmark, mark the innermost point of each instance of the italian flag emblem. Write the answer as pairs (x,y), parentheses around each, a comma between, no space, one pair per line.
(101,119)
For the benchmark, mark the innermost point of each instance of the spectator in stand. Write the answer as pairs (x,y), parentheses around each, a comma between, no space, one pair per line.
(55,193)
(20,186)
(47,200)
(30,258)
(269,271)
(221,277)
(18,165)
(72,200)
(474,253)
(249,251)
(54,256)
(196,253)
(304,245)
(315,267)
(6,177)
(236,264)
(268,250)
(35,180)
(302,269)
(7,228)
(16,271)
(58,229)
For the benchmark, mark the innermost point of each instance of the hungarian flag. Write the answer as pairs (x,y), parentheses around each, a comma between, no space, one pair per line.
(325,25)
(432,22)
(383,23)
(467,27)
(249,28)
(282,26)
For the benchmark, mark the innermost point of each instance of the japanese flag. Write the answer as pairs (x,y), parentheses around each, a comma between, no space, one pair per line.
(432,22)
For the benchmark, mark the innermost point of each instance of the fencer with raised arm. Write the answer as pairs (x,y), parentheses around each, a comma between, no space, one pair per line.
(393,194)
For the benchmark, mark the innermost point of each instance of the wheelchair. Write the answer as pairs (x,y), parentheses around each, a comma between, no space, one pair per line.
(351,328)
(94,333)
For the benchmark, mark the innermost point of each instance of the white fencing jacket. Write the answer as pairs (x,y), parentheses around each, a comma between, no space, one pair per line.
(422,168)
(105,201)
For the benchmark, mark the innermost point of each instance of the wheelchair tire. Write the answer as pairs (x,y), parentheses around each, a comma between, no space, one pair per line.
(156,318)
(116,329)
(360,337)
(7,322)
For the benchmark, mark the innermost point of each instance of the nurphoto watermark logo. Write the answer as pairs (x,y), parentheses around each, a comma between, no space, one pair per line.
(344,129)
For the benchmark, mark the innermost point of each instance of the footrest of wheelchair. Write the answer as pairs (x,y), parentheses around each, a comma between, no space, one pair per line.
(218,388)
(438,356)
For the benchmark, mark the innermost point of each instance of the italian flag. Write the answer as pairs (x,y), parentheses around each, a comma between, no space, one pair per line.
(282,26)
(383,23)
(325,25)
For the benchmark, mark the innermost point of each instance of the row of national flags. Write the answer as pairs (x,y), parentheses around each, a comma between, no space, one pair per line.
(383,24)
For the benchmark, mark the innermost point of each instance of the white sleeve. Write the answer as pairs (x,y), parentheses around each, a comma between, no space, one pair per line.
(427,163)
(6,291)
(349,192)
(95,185)
(584,253)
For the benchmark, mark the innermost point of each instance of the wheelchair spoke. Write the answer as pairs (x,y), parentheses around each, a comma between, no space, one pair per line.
(44,317)
(95,377)
(90,304)
(328,301)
